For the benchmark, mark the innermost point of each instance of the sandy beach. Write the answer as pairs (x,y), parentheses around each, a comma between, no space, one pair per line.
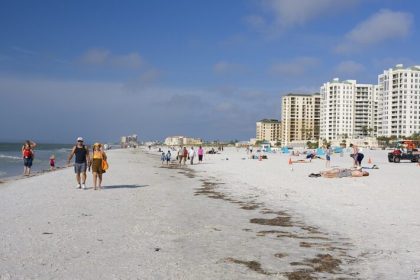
(228,218)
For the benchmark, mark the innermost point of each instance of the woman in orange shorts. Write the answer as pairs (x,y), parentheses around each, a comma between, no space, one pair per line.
(98,157)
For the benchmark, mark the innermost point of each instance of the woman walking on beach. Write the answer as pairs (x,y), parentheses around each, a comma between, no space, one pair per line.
(185,155)
(200,153)
(98,157)
(28,156)
(180,155)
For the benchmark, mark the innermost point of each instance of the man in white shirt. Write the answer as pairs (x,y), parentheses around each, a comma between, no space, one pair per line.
(191,154)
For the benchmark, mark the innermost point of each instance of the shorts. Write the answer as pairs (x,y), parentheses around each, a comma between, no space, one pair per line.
(27,162)
(328,157)
(97,165)
(80,167)
(200,157)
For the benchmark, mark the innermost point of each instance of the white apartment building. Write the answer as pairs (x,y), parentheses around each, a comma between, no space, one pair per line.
(399,101)
(300,117)
(269,130)
(348,109)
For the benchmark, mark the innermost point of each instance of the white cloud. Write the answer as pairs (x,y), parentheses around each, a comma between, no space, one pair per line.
(131,60)
(24,51)
(282,14)
(143,81)
(349,68)
(234,40)
(105,57)
(95,56)
(296,67)
(382,26)
(150,75)
(224,67)
(152,112)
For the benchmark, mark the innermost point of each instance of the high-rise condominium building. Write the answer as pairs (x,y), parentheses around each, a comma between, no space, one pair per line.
(399,101)
(348,109)
(269,130)
(300,117)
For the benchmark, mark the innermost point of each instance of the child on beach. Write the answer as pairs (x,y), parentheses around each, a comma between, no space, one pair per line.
(52,162)
(328,152)
(168,157)
(163,157)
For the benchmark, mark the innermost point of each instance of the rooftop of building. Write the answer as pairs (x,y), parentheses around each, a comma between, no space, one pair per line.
(269,121)
(337,81)
(401,67)
(303,94)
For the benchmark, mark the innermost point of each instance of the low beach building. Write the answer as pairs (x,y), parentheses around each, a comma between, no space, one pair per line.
(182,140)
(269,130)
(129,141)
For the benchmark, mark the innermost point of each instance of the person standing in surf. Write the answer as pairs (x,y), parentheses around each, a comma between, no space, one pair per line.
(28,156)
(82,159)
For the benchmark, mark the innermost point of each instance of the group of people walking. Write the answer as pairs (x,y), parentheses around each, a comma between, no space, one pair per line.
(98,163)
(184,155)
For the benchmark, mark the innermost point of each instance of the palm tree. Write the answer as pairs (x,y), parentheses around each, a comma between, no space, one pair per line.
(364,130)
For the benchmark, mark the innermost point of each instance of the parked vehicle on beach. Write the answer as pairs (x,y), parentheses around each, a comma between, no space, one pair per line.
(399,154)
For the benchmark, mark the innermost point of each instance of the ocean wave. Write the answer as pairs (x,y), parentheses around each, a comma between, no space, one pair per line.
(64,150)
(10,157)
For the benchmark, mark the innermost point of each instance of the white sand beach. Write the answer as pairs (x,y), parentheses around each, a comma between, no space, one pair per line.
(228,218)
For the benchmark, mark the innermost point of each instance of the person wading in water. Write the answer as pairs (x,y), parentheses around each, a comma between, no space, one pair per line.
(28,156)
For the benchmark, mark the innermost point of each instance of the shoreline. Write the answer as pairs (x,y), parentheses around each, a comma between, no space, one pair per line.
(41,172)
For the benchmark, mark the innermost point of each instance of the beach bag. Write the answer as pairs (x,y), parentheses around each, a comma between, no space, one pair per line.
(105,165)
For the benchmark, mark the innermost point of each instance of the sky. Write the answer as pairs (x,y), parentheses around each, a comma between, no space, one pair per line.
(200,68)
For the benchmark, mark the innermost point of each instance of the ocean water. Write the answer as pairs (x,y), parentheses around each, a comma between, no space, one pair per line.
(11,162)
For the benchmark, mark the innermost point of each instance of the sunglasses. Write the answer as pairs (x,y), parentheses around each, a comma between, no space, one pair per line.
(80,141)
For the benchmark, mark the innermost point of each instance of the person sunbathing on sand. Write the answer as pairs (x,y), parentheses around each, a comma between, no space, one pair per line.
(340,173)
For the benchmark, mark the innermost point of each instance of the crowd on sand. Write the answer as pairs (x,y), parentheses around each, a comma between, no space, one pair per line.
(95,162)
(182,155)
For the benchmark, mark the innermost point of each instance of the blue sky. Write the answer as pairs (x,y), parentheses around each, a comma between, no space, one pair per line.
(209,69)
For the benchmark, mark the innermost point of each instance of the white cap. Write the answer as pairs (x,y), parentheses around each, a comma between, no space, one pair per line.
(79,139)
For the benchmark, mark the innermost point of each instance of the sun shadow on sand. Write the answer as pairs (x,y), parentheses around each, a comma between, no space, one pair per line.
(125,187)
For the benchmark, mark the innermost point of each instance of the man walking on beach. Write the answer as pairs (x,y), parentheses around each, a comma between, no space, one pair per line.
(191,154)
(82,159)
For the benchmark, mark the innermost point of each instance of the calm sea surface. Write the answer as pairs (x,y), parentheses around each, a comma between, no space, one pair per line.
(11,162)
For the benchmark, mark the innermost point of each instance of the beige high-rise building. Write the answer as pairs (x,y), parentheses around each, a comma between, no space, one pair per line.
(269,130)
(300,117)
